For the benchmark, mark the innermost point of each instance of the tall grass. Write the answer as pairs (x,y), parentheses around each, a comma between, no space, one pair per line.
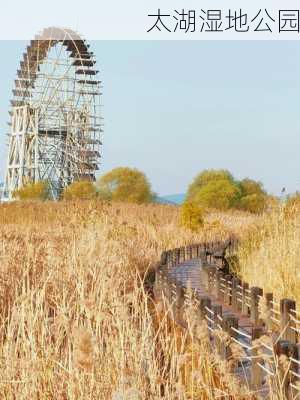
(75,319)
(270,253)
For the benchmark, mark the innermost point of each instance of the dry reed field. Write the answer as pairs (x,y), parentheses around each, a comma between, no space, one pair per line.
(77,321)
(270,255)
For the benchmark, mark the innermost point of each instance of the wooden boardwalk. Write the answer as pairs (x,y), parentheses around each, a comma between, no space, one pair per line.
(188,274)
(230,306)
(263,328)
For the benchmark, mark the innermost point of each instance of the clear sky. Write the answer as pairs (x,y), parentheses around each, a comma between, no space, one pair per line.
(175,108)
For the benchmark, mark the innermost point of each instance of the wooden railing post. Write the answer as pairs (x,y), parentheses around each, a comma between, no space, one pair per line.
(294,367)
(173,298)
(287,323)
(269,308)
(208,252)
(166,288)
(211,249)
(188,250)
(204,301)
(239,296)
(197,250)
(228,289)
(170,280)
(164,258)
(204,275)
(288,350)
(175,261)
(234,296)
(172,256)
(191,252)
(158,285)
(179,303)
(245,308)
(222,286)
(185,296)
(217,310)
(256,371)
(194,251)
(255,292)
(178,255)
(182,251)
(159,275)
(211,270)
(203,257)
(229,322)
(169,259)
(217,291)
(187,253)
(200,249)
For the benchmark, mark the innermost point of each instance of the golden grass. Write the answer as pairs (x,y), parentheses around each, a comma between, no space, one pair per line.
(75,319)
(270,254)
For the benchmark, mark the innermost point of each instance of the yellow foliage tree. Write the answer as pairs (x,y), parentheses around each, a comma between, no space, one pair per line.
(218,189)
(219,194)
(249,187)
(84,190)
(253,196)
(33,191)
(205,177)
(191,216)
(125,184)
(254,203)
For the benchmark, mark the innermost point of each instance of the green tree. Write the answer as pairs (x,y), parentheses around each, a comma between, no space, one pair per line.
(205,177)
(84,190)
(33,191)
(125,184)
(191,216)
(219,194)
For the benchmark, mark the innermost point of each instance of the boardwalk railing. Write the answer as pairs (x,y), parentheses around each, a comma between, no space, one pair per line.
(236,315)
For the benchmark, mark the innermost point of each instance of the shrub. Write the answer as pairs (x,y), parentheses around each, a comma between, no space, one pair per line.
(125,184)
(191,216)
(292,205)
(254,203)
(33,191)
(84,190)
(293,201)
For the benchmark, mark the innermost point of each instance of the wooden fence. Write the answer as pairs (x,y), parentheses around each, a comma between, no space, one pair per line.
(266,329)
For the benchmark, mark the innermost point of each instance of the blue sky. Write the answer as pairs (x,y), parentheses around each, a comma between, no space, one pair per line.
(175,108)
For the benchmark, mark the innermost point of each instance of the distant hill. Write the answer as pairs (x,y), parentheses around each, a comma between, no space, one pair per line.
(172,199)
